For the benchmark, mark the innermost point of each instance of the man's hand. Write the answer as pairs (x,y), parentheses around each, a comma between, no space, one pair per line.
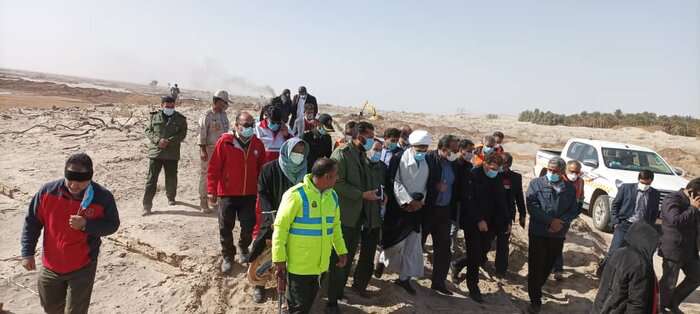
(370,195)
(415,205)
(212,200)
(203,155)
(77,222)
(342,260)
(556,225)
(163,143)
(695,201)
(281,274)
(483,227)
(28,263)
(521,221)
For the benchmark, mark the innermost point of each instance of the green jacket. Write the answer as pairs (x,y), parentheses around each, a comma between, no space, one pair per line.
(174,130)
(306,229)
(355,176)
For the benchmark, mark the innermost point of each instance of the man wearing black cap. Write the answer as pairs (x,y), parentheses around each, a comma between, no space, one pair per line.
(165,131)
(319,139)
(297,120)
(284,102)
(74,212)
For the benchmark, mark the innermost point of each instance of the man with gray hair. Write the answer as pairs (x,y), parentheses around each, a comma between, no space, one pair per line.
(552,204)
(212,124)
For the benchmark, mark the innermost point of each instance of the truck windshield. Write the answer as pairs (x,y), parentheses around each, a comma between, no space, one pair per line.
(632,160)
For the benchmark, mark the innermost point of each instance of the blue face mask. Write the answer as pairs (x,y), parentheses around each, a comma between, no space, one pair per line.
(369,142)
(491,173)
(376,156)
(247,132)
(273,126)
(487,150)
(552,177)
(322,131)
(392,146)
(420,156)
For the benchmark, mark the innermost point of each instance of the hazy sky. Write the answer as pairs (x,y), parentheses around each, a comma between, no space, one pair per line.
(500,56)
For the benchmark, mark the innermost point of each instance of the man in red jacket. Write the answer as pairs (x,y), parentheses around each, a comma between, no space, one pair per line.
(74,212)
(233,178)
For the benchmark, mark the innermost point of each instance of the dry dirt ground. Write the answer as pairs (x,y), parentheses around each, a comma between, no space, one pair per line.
(168,262)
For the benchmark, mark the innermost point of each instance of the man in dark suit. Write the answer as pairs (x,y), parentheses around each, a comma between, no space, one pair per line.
(633,202)
(441,198)
(284,101)
(679,245)
(513,184)
(297,111)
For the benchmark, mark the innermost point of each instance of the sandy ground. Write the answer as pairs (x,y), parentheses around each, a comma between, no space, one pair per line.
(168,262)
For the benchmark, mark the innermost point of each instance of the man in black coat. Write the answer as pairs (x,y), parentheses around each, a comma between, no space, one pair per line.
(513,185)
(319,140)
(679,245)
(628,284)
(297,109)
(440,200)
(486,215)
(284,102)
(633,202)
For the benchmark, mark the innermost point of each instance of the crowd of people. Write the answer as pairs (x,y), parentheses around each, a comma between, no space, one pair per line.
(365,205)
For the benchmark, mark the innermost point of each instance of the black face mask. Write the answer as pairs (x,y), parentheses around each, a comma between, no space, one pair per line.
(77,176)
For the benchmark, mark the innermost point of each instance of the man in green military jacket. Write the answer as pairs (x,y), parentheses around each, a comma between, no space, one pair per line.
(165,131)
(359,213)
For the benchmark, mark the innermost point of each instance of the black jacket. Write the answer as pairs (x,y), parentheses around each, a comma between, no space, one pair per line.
(432,158)
(398,223)
(310,99)
(625,203)
(488,202)
(628,281)
(679,228)
(319,146)
(464,190)
(513,183)
(285,106)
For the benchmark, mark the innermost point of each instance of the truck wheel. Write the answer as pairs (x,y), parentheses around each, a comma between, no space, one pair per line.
(601,213)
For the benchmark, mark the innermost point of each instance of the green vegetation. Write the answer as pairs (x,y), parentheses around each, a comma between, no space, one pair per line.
(491,116)
(676,125)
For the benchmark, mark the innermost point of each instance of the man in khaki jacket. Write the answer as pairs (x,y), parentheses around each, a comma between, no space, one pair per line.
(212,124)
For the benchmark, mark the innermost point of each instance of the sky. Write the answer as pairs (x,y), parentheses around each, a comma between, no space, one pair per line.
(439,56)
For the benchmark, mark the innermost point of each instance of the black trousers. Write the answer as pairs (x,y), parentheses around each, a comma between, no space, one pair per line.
(231,207)
(338,277)
(66,293)
(672,295)
(301,292)
(154,167)
(542,252)
(437,224)
(502,250)
(477,242)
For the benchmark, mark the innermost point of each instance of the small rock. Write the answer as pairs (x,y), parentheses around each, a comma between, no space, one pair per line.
(122,254)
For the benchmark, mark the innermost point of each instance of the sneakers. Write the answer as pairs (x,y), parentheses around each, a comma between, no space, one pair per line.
(245,253)
(406,285)
(259,294)
(172,202)
(226,265)
(379,270)
(442,290)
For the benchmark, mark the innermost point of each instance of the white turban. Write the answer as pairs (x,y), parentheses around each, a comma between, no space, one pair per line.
(420,137)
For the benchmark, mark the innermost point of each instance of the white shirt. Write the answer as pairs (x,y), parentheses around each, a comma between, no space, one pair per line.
(299,122)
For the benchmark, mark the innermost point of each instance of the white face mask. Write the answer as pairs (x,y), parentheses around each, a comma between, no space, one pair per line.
(643,187)
(572,176)
(296,158)
(452,156)
(468,156)
(169,111)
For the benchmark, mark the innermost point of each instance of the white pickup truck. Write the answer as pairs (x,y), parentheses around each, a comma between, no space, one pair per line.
(606,166)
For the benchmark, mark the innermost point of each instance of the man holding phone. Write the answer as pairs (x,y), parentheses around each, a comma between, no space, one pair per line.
(679,245)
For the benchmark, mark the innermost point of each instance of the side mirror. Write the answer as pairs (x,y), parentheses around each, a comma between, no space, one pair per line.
(590,163)
(678,171)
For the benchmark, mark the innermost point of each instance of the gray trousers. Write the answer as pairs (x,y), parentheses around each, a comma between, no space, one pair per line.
(66,293)
(204,165)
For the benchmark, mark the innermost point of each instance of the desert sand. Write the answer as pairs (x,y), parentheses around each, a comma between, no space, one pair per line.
(168,262)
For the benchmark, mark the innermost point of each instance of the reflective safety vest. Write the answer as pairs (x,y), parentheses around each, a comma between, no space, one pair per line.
(307,227)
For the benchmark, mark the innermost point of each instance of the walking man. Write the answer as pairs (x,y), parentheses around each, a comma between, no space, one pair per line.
(573,176)
(232,177)
(74,212)
(306,230)
(212,124)
(298,103)
(551,202)
(319,139)
(165,131)
(359,213)
(513,185)
(679,245)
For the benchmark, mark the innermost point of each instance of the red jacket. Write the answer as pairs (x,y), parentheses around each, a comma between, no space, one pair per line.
(233,171)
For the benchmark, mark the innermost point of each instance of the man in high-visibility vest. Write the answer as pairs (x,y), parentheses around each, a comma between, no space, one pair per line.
(306,229)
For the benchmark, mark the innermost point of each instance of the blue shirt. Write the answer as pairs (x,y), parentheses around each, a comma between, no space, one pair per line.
(448,177)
